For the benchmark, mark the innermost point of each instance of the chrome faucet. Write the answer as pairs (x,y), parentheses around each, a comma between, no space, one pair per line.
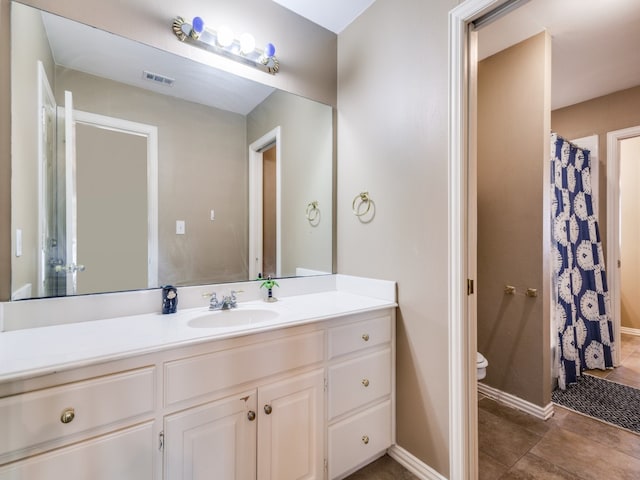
(227,303)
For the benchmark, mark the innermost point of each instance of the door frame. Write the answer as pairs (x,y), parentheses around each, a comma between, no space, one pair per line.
(463,424)
(613,228)
(45,97)
(255,201)
(150,132)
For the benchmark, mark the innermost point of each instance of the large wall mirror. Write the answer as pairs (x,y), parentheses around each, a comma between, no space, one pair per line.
(134,168)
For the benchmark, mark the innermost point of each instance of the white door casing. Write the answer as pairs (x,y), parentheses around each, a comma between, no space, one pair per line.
(613,229)
(255,202)
(150,132)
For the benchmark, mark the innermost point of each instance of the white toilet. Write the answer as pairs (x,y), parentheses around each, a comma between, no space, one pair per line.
(481,365)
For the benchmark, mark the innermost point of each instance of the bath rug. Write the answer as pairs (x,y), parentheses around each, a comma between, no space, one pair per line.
(602,399)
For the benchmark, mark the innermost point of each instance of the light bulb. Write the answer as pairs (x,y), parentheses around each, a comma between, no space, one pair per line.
(269,50)
(225,36)
(197,27)
(247,43)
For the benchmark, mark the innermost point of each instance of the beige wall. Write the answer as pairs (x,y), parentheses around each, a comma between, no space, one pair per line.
(201,166)
(599,116)
(513,173)
(307,54)
(307,175)
(33,46)
(630,232)
(392,142)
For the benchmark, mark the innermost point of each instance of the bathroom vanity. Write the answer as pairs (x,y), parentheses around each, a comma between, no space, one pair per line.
(300,388)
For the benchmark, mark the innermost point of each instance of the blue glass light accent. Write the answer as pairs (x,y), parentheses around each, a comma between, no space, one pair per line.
(269,50)
(198,25)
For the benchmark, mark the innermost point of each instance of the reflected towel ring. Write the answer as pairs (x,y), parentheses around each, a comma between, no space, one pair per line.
(364,199)
(313,212)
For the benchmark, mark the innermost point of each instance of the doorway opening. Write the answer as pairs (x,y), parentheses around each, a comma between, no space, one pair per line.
(265,255)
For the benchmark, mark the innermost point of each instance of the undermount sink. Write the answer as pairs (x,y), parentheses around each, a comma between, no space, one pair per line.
(231,318)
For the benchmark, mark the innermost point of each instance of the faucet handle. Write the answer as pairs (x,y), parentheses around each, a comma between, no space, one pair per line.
(234,294)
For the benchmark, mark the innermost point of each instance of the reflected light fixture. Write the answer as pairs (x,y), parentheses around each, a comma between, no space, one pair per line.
(223,42)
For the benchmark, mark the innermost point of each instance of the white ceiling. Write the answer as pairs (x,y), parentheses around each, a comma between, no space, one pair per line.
(334,15)
(595,44)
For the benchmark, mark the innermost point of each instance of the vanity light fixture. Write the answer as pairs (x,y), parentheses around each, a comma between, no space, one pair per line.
(223,42)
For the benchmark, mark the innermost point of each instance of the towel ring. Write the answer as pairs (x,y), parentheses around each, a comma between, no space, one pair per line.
(313,212)
(364,199)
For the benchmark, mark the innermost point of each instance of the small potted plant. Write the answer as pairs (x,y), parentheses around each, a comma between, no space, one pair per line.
(269,283)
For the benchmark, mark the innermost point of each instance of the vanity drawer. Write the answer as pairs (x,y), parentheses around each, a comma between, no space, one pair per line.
(359,438)
(34,418)
(358,336)
(359,381)
(204,374)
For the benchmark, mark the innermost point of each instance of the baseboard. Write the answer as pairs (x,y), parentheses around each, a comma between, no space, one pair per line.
(413,464)
(516,402)
(630,331)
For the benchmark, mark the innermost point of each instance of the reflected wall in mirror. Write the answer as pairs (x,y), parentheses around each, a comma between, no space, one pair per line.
(131,167)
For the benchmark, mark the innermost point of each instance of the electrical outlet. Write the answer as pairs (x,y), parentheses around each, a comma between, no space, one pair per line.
(180,227)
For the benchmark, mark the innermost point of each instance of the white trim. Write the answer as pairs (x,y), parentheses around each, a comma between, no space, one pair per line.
(613,228)
(45,94)
(462,369)
(150,132)
(630,331)
(518,403)
(413,464)
(255,201)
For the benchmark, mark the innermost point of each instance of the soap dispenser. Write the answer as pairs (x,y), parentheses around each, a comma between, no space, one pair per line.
(169,299)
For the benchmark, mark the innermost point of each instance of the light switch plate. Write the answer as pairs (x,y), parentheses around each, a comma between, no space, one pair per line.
(180,227)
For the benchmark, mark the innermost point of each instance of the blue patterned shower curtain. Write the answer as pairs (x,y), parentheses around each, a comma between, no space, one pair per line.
(579,288)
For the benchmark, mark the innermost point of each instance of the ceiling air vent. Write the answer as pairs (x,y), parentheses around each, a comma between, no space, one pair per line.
(156,77)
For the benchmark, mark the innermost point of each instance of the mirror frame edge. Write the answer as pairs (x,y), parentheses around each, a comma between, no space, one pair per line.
(5,151)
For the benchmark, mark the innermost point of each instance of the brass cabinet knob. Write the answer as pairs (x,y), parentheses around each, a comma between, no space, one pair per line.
(68,415)
(365,382)
(268,409)
(365,337)
(365,439)
(251,415)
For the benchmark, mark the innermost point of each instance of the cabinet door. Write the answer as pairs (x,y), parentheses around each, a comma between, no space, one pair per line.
(290,429)
(127,455)
(214,441)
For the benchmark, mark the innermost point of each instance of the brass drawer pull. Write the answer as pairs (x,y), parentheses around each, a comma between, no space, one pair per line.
(68,415)
(251,415)
(268,409)
(365,439)
(365,337)
(365,382)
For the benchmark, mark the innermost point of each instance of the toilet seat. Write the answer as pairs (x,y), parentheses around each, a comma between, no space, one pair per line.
(481,365)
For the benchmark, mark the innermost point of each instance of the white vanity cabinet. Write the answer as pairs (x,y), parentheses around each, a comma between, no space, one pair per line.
(275,431)
(360,392)
(307,402)
(215,440)
(77,430)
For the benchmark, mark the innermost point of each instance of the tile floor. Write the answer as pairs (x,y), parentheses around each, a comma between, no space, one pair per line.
(568,446)
(628,373)
(385,468)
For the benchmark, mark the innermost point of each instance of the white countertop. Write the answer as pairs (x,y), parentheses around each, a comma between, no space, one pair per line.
(39,351)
